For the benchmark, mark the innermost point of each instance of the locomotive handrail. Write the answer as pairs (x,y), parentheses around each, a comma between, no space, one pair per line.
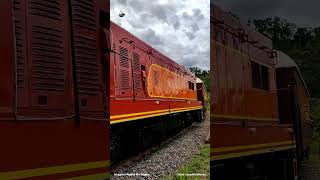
(240,33)
(127,40)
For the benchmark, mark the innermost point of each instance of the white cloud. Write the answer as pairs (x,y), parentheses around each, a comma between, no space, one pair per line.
(178,28)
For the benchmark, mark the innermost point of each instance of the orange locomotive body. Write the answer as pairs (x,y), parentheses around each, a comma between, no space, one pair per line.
(245,123)
(146,86)
(52,100)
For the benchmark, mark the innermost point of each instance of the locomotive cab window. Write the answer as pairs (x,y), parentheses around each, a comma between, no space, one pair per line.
(260,76)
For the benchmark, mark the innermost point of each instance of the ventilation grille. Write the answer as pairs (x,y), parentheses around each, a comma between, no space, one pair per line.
(19,53)
(19,29)
(136,72)
(84,14)
(124,62)
(46,8)
(115,67)
(47,55)
(87,68)
(16,4)
(125,80)
(124,69)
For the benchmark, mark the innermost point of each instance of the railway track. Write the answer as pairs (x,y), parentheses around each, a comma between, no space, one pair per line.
(145,153)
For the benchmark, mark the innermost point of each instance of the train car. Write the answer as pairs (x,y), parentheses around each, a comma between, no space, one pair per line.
(150,95)
(256,133)
(53,90)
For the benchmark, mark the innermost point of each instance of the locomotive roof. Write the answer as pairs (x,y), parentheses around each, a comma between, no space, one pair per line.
(199,80)
(154,51)
(285,61)
(260,45)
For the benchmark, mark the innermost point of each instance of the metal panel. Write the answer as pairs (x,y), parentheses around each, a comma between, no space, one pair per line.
(87,68)
(47,8)
(42,58)
(125,80)
(136,73)
(48,61)
(88,57)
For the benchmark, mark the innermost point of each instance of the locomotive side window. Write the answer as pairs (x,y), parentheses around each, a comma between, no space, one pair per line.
(256,78)
(260,76)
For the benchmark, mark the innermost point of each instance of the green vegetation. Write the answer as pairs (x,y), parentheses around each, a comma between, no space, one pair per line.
(314,150)
(200,164)
(315,115)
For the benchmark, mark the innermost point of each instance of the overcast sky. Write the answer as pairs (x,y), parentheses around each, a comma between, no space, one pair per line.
(300,12)
(178,28)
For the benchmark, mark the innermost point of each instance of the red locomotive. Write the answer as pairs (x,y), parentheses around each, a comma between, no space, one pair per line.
(260,124)
(150,95)
(53,89)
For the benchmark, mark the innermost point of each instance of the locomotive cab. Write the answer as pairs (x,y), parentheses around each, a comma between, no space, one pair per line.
(201,92)
(293,102)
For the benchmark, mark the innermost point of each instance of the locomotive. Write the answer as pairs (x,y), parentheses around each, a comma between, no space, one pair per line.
(53,87)
(260,122)
(150,95)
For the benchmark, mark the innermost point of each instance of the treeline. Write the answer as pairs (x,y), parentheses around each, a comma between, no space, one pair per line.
(300,43)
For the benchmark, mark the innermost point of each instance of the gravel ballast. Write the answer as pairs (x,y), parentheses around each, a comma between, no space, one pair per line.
(168,159)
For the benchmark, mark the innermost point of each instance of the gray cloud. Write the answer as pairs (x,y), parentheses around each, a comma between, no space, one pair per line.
(175,28)
(151,37)
(303,13)
(123,2)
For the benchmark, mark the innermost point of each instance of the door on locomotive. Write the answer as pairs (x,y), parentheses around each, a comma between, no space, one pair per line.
(52,106)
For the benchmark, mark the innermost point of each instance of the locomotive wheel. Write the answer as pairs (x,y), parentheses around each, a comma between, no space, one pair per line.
(116,144)
(198,116)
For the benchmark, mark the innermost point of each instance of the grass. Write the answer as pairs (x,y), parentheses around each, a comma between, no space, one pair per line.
(200,164)
(315,116)
(315,109)
(314,150)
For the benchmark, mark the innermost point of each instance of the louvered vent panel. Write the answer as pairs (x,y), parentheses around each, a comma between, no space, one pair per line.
(125,80)
(84,14)
(87,68)
(20,58)
(136,71)
(16,4)
(124,69)
(47,57)
(46,8)
(115,67)
(124,61)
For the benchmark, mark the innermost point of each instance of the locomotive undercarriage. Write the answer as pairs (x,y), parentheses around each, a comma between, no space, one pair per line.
(269,166)
(130,138)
